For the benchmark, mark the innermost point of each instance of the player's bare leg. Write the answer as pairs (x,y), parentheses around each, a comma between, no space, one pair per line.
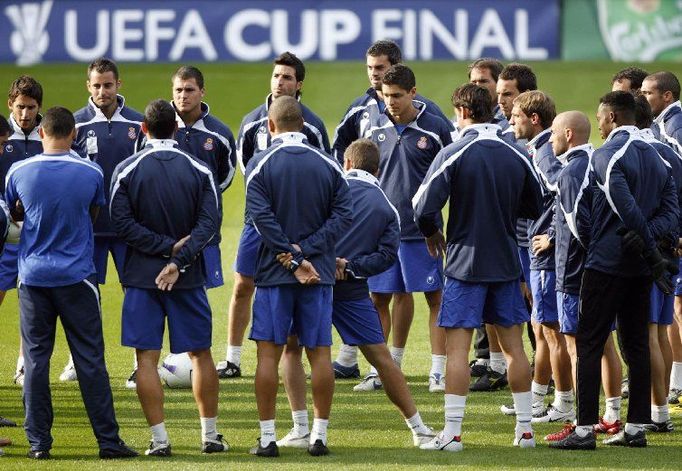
(239,315)
(149,390)
(402,315)
(204,382)
(675,338)
(543,368)
(382,303)
(437,339)
(660,360)
(563,407)
(322,385)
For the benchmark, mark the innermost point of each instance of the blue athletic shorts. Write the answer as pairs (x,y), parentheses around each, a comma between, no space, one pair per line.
(145,312)
(678,281)
(524,258)
(661,310)
(543,288)
(213,271)
(357,322)
(9,267)
(100,256)
(414,271)
(468,305)
(568,308)
(247,251)
(304,311)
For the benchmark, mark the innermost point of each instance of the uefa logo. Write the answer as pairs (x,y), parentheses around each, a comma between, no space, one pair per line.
(29,40)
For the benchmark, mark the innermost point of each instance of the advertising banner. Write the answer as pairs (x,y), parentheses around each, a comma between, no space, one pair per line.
(181,31)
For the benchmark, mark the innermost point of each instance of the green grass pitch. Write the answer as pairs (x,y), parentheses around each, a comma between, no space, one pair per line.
(365,429)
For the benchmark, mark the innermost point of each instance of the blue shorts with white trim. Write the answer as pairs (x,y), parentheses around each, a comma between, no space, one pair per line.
(247,251)
(9,267)
(213,270)
(568,307)
(543,288)
(662,306)
(100,256)
(415,270)
(468,305)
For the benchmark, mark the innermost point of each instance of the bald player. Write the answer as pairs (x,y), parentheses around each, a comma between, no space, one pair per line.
(295,296)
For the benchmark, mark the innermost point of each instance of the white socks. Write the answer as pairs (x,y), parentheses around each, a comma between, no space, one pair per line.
(539,392)
(676,375)
(416,424)
(300,418)
(438,365)
(159,434)
(497,362)
(612,412)
(454,414)
(660,413)
(234,354)
(524,411)
(632,429)
(319,430)
(20,363)
(397,355)
(584,430)
(348,356)
(563,401)
(208,428)
(267,432)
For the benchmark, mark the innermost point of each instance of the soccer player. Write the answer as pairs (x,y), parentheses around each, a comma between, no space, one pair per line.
(532,118)
(490,184)
(618,275)
(107,132)
(5,131)
(407,144)
(662,91)
(287,79)
(491,371)
(369,247)
(661,315)
(164,204)
(294,217)
(58,281)
(628,80)
(569,140)
(24,100)
(368,110)
(485,73)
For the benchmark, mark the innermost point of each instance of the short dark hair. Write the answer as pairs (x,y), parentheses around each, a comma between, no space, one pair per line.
(287,114)
(5,128)
(476,99)
(187,72)
(666,82)
(388,48)
(493,65)
(634,74)
(524,76)
(537,102)
(103,65)
(622,103)
(27,86)
(643,115)
(289,59)
(58,122)
(363,155)
(159,117)
(401,75)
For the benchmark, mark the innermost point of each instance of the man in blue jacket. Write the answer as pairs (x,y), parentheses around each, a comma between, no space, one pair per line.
(300,204)
(107,132)
(369,247)
(636,197)
(482,263)
(58,281)
(287,79)
(24,99)
(164,204)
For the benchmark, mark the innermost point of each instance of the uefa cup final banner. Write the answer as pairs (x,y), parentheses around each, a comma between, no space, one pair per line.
(196,31)
(622,30)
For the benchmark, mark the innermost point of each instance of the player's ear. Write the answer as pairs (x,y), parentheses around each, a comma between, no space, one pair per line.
(144,129)
(271,126)
(41,133)
(73,134)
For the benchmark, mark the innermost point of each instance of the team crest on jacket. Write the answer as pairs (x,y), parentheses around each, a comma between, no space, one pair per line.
(91,133)
(9,148)
(131,132)
(422,143)
(208,145)
(382,137)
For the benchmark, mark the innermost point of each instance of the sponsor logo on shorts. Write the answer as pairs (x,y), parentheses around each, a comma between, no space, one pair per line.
(208,145)
(430,279)
(131,133)
(422,143)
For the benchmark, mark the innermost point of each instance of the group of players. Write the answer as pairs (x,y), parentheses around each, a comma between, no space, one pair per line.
(541,227)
